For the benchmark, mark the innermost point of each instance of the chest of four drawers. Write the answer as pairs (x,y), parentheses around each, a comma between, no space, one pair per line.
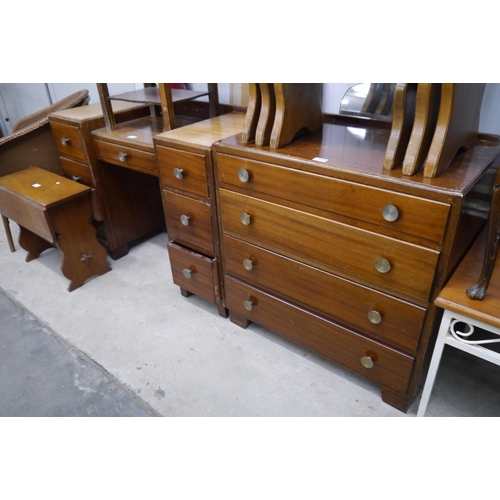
(343,268)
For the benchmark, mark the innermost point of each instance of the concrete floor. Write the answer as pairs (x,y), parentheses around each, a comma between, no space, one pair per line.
(128,344)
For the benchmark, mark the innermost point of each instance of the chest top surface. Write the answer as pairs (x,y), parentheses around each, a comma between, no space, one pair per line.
(356,152)
(204,133)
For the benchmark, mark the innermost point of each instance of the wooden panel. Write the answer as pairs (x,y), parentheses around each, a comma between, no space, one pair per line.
(77,171)
(457,124)
(402,123)
(427,108)
(252,114)
(298,110)
(32,217)
(332,246)
(194,170)
(391,369)
(198,231)
(417,216)
(126,157)
(203,272)
(401,322)
(68,140)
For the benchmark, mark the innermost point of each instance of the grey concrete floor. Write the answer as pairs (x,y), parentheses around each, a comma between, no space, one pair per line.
(128,344)
(42,376)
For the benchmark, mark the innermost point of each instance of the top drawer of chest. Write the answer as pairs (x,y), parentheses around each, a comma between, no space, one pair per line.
(401,212)
(182,170)
(68,140)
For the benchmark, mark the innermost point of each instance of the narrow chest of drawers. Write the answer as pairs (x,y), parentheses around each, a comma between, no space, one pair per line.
(324,247)
(185,169)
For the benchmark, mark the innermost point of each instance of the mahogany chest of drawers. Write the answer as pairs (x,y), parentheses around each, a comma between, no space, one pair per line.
(323,246)
(185,168)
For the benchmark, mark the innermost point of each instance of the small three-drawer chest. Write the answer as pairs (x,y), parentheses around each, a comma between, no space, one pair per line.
(323,246)
(185,168)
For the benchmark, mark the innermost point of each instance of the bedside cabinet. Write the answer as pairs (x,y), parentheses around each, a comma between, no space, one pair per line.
(185,169)
(323,246)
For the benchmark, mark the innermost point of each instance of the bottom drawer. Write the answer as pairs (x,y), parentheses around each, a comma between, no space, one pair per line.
(385,366)
(77,171)
(195,273)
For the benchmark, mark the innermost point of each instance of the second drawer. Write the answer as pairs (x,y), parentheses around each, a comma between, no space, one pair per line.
(188,221)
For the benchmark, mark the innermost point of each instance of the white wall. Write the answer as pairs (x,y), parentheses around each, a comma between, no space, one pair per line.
(20,99)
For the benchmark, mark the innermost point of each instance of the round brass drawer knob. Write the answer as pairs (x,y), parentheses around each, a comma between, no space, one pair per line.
(185,220)
(179,173)
(64,141)
(382,265)
(243,175)
(245,219)
(247,264)
(187,273)
(248,305)
(122,156)
(367,362)
(374,317)
(390,213)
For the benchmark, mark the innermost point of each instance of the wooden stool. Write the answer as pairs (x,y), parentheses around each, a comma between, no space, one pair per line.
(53,211)
(463,315)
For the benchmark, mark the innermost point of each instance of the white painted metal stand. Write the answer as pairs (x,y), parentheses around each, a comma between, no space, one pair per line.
(449,334)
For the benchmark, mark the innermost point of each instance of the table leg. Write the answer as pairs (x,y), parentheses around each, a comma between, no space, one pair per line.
(83,255)
(436,359)
(8,233)
(32,243)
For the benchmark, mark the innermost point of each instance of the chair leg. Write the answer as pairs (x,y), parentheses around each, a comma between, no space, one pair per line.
(433,368)
(6,225)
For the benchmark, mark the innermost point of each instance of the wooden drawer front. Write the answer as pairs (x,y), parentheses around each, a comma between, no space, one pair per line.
(198,230)
(77,171)
(416,216)
(182,170)
(68,140)
(125,156)
(194,272)
(400,322)
(330,245)
(391,369)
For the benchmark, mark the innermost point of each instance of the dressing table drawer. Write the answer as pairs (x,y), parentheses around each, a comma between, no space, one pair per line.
(396,211)
(79,172)
(132,158)
(383,317)
(182,170)
(194,272)
(68,140)
(388,264)
(385,366)
(188,221)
